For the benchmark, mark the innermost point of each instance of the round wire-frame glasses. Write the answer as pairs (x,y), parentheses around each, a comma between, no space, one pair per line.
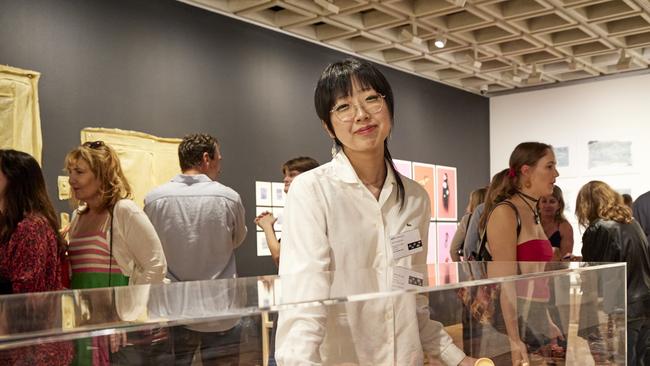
(372,104)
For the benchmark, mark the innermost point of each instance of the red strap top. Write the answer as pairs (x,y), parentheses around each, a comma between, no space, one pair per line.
(537,250)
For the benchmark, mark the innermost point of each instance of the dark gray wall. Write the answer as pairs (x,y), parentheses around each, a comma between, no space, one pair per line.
(168,69)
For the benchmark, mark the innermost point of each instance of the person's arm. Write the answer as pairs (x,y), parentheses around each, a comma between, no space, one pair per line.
(26,256)
(140,239)
(472,236)
(266,221)
(566,245)
(502,243)
(239,224)
(305,248)
(599,246)
(459,238)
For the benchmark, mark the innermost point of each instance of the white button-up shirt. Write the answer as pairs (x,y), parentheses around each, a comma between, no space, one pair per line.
(333,223)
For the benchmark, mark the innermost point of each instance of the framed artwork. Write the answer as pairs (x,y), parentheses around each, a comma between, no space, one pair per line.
(425,174)
(278,214)
(262,246)
(446,193)
(432,247)
(263,194)
(278,196)
(447,273)
(404,167)
(446,232)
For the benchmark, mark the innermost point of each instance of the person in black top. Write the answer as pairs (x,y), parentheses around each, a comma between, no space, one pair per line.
(557,228)
(612,235)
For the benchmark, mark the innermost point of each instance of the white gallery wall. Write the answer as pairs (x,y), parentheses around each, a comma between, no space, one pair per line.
(601,130)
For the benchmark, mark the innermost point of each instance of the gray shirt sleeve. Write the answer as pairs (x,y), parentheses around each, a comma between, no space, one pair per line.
(472,235)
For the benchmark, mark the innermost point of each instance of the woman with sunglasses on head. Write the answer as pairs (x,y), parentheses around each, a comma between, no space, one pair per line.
(111,241)
(558,230)
(31,251)
(612,235)
(341,216)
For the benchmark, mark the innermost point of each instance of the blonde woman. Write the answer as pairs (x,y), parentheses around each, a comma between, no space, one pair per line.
(111,241)
(558,230)
(612,235)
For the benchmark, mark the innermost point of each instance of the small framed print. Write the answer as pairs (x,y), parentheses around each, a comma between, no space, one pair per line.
(263,194)
(425,174)
(278,196)
(446,232)
(404,167)
(278,214)
(446,193)
(262,245)
(432,247)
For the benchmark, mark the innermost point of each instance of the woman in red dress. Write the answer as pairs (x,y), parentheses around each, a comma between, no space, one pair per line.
(31,249)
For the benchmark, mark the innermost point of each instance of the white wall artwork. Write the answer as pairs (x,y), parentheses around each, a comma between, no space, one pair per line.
(404,167)
(278,197)
(610,154)
(262,246)
(263,194)
(561,156)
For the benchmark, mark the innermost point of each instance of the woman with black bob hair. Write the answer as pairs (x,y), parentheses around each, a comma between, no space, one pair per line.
(344,216)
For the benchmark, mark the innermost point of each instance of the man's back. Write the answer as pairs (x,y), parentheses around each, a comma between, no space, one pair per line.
(200,222)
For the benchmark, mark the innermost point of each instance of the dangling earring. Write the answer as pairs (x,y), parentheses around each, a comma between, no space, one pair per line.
(528,184)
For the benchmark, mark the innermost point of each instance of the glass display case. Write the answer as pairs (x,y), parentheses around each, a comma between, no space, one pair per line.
(541,313)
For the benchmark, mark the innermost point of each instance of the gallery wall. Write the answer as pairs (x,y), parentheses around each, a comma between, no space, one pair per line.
(168,69)
(601,130)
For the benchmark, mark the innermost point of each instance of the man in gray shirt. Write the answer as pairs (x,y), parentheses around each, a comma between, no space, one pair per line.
(200,222)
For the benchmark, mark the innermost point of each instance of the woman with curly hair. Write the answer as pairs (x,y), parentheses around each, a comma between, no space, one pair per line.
(111,240)
(612,235)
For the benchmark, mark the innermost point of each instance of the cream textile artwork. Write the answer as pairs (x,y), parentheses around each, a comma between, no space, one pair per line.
(148,161)
(20,118)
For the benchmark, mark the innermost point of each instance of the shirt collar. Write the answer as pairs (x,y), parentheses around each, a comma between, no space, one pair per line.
(191,178)
(346,173)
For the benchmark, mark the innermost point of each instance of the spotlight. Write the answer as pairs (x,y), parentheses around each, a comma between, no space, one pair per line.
(484,89)
(440,42)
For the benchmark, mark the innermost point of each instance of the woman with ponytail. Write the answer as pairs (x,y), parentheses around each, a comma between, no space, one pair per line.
(612,235)
(514,233)
(342,216)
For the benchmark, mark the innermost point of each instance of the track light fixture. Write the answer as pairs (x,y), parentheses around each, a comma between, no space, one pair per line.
(477,64)
(535,76)
(624,61)
(515,74)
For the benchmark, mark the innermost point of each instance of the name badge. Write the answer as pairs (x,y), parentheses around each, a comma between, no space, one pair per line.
(406,243)
(404,278)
